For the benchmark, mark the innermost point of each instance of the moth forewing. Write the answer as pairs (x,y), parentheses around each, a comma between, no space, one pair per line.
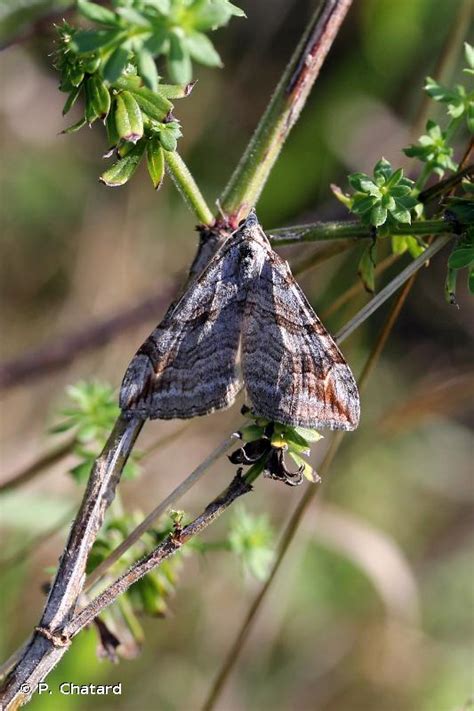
(187,366)
(293,371)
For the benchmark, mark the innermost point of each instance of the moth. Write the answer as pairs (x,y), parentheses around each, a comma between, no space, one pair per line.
(245,300)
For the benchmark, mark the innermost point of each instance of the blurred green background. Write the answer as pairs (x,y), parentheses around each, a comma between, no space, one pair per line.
(373,609)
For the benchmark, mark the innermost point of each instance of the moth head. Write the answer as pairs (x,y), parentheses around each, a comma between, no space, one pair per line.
(250,221)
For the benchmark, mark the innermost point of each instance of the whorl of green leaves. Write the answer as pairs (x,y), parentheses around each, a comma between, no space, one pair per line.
(90,416)
(387,199)
(113,67)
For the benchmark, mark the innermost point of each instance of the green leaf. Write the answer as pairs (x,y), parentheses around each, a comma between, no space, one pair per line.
(155,162)
(470,117)
(469,54)
(129,82)
(71,99)
(72,77)
(399,244)
(450,286)
(437,91)
(90,40)
(153,105)
(309,435)
(215,14)
(461,256)
(147,69)
(394,179)
(179,62)
(75,126)
(202,50)
(383,169)
(251,433)
(378,215)
(366,269)
(388,201)
(98,97)
(404,243)
(96,13)
(163,6)
(133,16)
(400,191)
(415,248)
(158,42)
(251,537)
(80,473)
(121,171)
(128,117)
(111,128)
(168,137)
(115,64)
(175,91)
(470,281)
(356,180)
(363,203)
(236,11)
(91,64)
(401,214)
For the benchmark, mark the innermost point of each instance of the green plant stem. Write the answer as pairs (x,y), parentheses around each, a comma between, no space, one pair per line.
(188,188)
(324,231)
(251,174)
(424,175)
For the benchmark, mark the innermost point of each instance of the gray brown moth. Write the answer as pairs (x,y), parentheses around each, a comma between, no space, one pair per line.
(246,297)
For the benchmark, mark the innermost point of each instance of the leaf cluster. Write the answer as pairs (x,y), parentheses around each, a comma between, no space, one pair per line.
(266,445)
(91,416)
(251,537)
(147,29)
(388,200)
(461,210)
(112,68)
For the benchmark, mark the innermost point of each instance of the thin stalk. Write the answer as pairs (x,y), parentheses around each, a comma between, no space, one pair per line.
(446,185)
(388,290)
(188,188)
(251,174)
(353,229)
(44,461)
(322,255)
(358,287)
(293,524)
(19,556)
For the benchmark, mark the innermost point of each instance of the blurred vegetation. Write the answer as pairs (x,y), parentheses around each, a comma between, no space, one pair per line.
(374,607)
